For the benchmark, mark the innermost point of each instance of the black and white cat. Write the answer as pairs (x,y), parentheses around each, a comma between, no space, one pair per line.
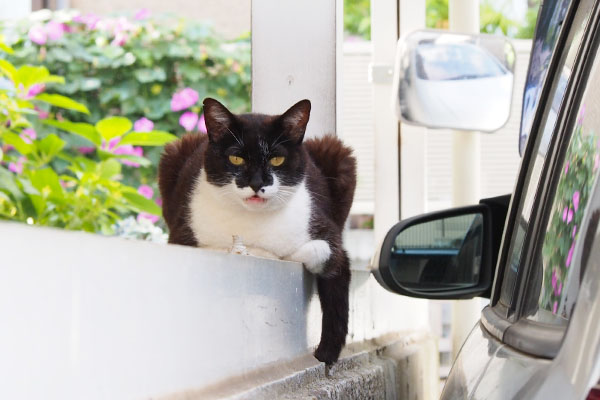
(254,176)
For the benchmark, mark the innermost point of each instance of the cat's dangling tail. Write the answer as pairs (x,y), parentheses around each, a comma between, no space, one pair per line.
(338,165)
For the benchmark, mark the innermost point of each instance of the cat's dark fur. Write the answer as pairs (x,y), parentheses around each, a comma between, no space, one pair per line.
(325,166)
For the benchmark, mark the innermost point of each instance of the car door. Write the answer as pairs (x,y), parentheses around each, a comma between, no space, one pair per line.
(543,258)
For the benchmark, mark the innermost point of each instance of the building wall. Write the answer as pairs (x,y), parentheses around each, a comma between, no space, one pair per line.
(230,17)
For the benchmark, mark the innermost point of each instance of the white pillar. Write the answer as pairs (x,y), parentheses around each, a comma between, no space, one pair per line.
(466,173)
(295,48)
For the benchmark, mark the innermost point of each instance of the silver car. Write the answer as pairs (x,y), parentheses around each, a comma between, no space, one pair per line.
(534,253)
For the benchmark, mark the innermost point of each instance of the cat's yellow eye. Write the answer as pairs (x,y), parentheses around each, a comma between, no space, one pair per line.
(277,161)
(235,160)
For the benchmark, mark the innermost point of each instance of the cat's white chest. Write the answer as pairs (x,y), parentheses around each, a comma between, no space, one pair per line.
(214,221)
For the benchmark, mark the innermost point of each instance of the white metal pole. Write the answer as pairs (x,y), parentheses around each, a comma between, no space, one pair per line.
(466,174)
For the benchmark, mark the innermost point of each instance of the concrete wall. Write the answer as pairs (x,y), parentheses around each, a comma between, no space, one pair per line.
(230,17)
(86,316)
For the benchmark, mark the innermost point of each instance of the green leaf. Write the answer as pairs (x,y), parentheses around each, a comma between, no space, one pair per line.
(139,203)
(19,144)
(105,155)
(63,102)
(27,186)
(6,48)
(7,183)
(90,84)
(8,69)
(28,75)
(153,138)
(109,168)
(145,75)
(82,129)
(50,146)
(46,182)
(112,127)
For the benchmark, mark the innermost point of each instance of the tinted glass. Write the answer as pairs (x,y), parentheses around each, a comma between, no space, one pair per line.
(548,27)
(552,290)
(534,171)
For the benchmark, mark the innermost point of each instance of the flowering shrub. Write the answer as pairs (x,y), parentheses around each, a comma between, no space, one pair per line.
(581,164)
(146,69)
(145,66)
(44,182)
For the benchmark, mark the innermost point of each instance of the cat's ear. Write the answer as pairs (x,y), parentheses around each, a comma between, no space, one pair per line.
(295,119)
(219,120)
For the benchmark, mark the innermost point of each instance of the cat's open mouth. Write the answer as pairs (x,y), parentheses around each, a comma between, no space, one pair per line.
(255,200)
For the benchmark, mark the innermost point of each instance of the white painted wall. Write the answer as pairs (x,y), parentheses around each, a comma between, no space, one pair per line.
(294,57)
(91,317)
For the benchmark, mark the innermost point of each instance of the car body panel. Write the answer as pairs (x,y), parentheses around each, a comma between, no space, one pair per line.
(484,364)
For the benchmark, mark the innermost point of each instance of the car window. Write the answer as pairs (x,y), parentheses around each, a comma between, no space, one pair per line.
(520,228)
(549,21)
(551,290)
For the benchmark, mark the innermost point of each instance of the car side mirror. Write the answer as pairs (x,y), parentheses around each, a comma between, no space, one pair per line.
(451,80)
(441,255)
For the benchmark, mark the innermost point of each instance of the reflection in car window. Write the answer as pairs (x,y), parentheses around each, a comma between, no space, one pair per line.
(551,294)
(439,62)
(536,167)
(549,21)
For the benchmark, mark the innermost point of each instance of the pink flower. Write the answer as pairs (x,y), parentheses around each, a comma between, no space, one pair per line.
(576,200)
(574,231)
(570,255)
(90,20)
(143,125)
(55,30)
(150,217)
(129,150)
(120,39)
(183,99)
(202,124)
(113,147)
(569,216)
(566,210)
(34,90)
(146,191)
(86,149)
(28,135)
(554,278)
(555,307)
(159,201)
(142,14)
(17,167)
(558,290)
(596,161)
(567,168)
(37,34)
(41,113)
(188,120)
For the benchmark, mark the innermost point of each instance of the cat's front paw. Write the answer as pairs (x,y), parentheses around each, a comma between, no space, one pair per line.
(313,255)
